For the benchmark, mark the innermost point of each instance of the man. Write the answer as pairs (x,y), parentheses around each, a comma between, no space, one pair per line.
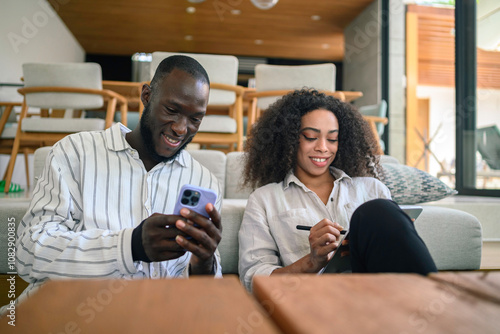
(103,206)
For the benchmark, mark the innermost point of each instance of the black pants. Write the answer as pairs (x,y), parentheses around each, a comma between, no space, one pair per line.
(382,238)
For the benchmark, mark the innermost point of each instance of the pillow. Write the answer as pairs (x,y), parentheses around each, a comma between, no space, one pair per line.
(409,185)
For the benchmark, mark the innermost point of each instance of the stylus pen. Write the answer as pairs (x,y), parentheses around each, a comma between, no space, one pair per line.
(307,228)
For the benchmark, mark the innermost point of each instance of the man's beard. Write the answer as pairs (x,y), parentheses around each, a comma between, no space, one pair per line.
(147,137)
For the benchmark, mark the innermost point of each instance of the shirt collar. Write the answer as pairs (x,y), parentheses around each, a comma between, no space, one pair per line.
(338,174)
(115,141)
(115,137)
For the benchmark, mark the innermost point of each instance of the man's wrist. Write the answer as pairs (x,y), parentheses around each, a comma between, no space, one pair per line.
(138,252)
(208,267)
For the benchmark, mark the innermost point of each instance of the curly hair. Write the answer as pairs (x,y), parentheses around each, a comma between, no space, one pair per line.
(274,140)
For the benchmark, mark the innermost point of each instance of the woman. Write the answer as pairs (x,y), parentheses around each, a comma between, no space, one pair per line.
(312,159)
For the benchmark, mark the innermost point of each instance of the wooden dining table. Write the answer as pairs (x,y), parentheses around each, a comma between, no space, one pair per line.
(463,302)
(195,305)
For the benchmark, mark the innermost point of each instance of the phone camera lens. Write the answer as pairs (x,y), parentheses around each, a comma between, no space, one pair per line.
(195,199)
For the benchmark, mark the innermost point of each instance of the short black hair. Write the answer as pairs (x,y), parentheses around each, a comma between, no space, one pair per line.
(184,63)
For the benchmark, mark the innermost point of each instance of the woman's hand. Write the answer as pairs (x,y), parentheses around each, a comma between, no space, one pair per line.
(323,241)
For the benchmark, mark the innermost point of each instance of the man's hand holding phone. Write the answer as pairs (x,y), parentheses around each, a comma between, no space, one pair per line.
(195,226)
(205,237)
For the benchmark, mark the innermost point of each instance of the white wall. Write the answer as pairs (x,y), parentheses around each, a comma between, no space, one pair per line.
(442,111)
(362,56)
(31,31)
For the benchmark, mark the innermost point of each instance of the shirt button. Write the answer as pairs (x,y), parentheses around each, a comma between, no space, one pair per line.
(155,274)
(331,199)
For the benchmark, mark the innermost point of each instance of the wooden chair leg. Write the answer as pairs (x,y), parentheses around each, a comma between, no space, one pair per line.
(5,173)
(27,167)
(12,162)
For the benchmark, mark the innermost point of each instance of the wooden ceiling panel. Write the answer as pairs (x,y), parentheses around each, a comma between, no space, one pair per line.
(123,27)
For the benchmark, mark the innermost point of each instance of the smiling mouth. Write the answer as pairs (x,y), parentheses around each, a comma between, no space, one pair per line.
(319,159)
(171,141)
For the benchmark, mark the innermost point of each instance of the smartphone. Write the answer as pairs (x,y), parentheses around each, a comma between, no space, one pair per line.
(413,211)
(194,198)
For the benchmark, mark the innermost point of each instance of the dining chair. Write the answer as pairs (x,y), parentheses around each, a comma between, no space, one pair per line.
(8,128)
(132,92)
(274,81)
(53,88)
(219,129)
(376,115)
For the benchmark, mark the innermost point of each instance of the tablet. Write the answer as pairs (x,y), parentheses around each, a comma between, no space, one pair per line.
(338,263)
(413,211)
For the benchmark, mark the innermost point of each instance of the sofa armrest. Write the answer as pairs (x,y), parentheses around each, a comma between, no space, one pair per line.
(454,237)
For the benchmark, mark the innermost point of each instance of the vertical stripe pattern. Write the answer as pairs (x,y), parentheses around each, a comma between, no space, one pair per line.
(94,190)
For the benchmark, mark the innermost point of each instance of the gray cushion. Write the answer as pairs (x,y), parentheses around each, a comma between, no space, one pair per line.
(410,185)
(9,132)
(215,161)
(218,123)
(234,173)
(79,75)
(62,125)
(232,215)
(277,77)
(453,237)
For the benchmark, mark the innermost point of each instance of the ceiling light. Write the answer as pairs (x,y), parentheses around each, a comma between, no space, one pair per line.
(190,10)
(315,17)
(235,11)
(264,4)
(188,38)
(196,1)
(258,41)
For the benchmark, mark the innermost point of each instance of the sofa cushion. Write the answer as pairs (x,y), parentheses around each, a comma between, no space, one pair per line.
(409,185)
(232,215)
(218,123)
(61,125)
(215,161)
(234,173)
(453,237)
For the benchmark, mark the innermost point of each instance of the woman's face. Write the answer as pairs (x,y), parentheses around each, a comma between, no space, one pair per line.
(318,143)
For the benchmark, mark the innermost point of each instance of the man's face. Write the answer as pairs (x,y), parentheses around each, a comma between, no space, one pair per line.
(173,114)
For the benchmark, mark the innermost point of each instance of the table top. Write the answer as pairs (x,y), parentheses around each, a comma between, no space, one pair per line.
(194,305)
(376,303)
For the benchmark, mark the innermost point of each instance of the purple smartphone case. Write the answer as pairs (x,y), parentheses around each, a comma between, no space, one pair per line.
(194,198)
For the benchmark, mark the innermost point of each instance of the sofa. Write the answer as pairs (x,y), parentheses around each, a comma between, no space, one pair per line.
(454,238)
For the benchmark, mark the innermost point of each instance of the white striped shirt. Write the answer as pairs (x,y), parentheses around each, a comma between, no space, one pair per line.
(93,192)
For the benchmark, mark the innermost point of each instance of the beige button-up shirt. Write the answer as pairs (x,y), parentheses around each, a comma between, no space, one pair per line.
(268,235)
